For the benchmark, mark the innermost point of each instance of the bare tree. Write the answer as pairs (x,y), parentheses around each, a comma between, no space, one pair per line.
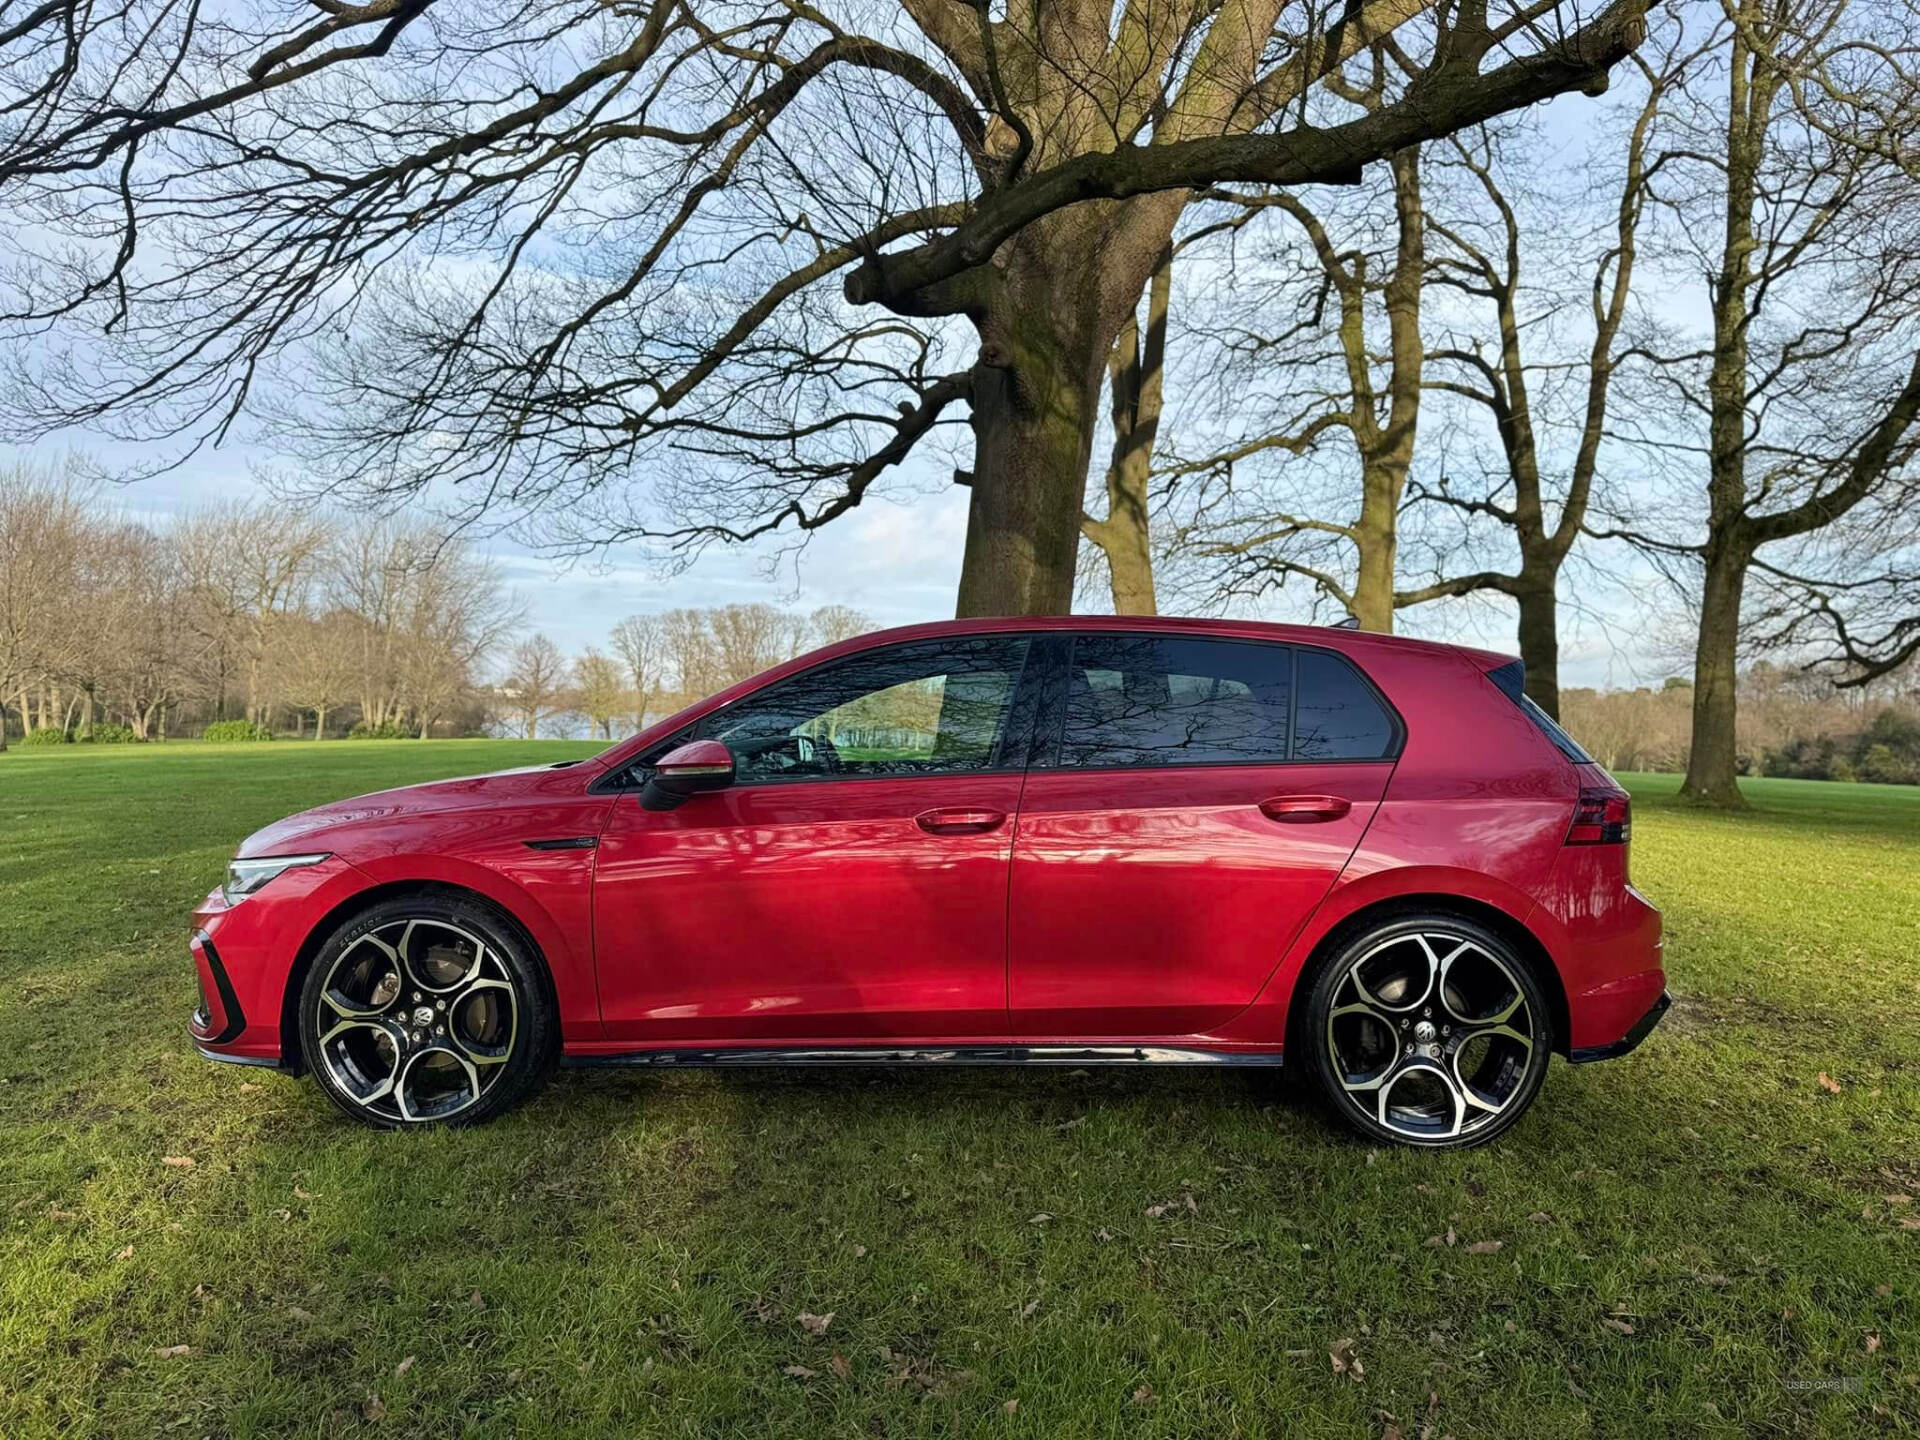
(640,643)
(315,663)
(535,686)
(831,624)
(262,207)
(1347,363)
(43,527)
(1782,187)
(600,691)
(1520,361)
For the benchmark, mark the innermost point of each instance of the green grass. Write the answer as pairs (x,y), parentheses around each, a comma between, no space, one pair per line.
(631,1254)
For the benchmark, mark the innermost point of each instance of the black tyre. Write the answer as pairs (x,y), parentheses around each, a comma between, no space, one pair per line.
(427,1010)
(1427,1030)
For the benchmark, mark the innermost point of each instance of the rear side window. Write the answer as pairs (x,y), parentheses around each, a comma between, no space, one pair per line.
(1147,700)
(1511,680)
(1136,700)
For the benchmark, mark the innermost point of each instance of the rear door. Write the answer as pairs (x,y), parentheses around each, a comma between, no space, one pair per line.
(1192,801)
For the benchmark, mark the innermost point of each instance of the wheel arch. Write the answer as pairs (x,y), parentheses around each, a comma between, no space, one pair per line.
(1531,949)
(323,930)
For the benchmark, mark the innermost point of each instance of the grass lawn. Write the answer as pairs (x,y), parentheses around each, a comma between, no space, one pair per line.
(1682,1235)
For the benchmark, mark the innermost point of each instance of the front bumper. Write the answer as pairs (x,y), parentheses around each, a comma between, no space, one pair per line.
(244,954)
(1629,1042)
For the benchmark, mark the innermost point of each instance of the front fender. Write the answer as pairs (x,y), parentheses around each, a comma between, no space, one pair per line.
(549,892)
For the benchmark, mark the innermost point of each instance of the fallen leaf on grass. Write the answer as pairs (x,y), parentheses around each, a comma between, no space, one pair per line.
(859,1252)
(167,1352)
(1346,1361)
(1011,1406)
(1907,1222)
(1540,1217)
(297,1313)
(179,1162)
(1485,1247)
(372,1409)
(840,1366)
(1873,1342)
(798,1372)
(404,1366)
(1144,1395)
(124,1254)
(513,1376)
(477,1300)
(1829,1084)
(248,1087)
(1898,1199)
(815,1324)
(1612,1323)
(1042,1218)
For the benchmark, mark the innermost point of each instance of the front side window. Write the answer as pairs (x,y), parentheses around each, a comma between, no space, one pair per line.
(1137,700)
(929,708)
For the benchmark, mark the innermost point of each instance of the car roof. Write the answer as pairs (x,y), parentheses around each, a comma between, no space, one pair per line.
(1329,636)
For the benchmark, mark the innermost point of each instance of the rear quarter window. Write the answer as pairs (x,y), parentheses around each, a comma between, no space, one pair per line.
(1511,681)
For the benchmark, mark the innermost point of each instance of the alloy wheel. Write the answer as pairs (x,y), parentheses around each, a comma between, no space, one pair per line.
(416,1020)
(1432,1036)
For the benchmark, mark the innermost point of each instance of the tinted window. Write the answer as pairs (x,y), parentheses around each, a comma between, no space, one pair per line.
(1148,700)
(929,708)
(1337,716)
(1512,682)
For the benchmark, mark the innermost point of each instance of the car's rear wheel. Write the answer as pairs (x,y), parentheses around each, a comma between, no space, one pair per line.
(427,1010)
(1428,1031)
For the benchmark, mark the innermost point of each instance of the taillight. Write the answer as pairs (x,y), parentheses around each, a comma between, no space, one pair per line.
(1603,815)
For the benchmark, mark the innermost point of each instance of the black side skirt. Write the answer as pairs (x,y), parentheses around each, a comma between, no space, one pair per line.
(937,1055)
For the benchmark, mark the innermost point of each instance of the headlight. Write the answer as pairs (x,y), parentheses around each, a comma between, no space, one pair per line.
(246,876)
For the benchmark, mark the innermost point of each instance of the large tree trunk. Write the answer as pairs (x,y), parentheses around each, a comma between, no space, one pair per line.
(1033,436)
(1540,637)
(1375,542)
(1135,392)
(1712,762)
(1048,322)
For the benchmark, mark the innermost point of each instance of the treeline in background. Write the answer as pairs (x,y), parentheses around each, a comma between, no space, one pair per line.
(246,622)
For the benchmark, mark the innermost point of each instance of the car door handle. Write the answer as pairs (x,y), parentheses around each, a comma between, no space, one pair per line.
(1305,809)
(960,821)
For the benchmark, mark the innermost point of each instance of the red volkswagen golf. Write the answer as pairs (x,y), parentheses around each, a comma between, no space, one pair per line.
(1065,841)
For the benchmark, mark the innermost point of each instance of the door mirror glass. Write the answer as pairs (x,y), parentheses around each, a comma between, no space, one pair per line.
(686,771)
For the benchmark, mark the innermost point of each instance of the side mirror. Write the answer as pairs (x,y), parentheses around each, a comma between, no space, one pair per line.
(685,771)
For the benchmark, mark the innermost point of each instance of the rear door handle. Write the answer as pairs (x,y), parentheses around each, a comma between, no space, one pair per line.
(960,821)
(1305,809)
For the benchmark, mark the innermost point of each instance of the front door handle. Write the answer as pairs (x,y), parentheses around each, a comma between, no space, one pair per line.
(1305,809)
(959,821)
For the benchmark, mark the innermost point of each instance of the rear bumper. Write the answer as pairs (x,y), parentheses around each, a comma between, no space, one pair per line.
(1641,1028)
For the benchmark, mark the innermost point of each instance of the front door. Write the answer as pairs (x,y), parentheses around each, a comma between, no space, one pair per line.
(1201,799)
(851,886)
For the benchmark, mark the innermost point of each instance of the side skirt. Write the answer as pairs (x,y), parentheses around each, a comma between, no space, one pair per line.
(934,1055)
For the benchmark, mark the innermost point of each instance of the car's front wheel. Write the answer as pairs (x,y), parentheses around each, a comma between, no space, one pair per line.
(426,1010)
(1428,1030)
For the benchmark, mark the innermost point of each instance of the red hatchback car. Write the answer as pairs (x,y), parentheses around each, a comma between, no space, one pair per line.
(1070,841)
